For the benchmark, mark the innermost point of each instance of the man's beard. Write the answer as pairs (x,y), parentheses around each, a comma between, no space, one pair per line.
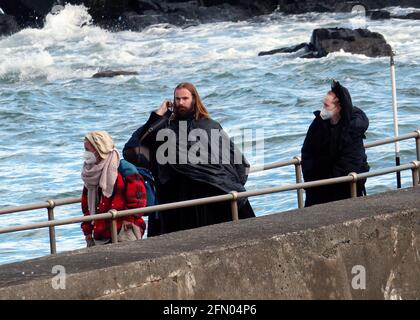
(183,114)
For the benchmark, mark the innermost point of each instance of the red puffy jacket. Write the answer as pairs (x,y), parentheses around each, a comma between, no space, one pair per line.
(129,193)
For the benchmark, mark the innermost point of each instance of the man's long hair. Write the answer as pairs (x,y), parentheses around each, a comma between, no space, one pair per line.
(200,110)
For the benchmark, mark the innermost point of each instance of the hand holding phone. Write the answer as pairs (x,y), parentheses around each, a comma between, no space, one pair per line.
(164,107)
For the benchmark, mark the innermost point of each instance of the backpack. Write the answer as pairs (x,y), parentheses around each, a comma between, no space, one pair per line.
(126,168)
(149,183)
(153,222)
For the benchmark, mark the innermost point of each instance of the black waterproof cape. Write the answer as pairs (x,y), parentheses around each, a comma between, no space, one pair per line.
(335,150)
(185,180)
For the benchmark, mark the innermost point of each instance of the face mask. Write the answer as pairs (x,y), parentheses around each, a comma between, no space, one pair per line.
(89,157)
(326,114)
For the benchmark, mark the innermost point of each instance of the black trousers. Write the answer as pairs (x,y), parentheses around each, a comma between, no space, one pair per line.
(183,188)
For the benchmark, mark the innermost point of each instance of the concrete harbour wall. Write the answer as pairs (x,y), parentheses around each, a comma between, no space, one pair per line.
(367,248)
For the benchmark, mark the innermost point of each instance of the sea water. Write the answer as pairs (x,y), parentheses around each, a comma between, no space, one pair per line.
(48,101)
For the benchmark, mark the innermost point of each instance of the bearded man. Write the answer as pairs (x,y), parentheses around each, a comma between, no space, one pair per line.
(191,157)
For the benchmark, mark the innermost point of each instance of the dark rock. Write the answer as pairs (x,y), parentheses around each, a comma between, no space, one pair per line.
(310,55)
(303,6)
(145,5)
(257,7)
(112,14)
(137,22)
(180,6)
(379,14)
(306,46)
(380,4)
(297,7)
(40,7)
(8,25)
(27,12)
(106,9)
(113,73)
(224,12)
(180,14)
(359,41)
(182,20)
(137,14)
(413,16)
(325,41)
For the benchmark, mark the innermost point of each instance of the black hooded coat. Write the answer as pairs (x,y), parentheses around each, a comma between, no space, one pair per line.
(335,150)
(186,181)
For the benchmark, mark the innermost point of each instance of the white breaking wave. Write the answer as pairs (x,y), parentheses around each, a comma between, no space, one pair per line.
(26,65)
(70,47)
(40,113)
(401,11)
(68,20)
(51,52)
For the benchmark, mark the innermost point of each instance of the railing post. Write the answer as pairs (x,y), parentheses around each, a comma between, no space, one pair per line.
(415,173)
(234,206)
(353,184)
(53,244)
(418,144)
(298,173)
(114,231)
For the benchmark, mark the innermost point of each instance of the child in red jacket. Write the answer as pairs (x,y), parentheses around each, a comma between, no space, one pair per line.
(110,183)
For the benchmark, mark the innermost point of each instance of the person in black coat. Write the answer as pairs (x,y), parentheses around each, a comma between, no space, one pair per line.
(215,171)
(333,147)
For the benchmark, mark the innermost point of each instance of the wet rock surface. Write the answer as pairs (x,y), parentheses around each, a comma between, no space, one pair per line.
(325,41)
(8,25)
(136,15)
(291,6)
(113,73)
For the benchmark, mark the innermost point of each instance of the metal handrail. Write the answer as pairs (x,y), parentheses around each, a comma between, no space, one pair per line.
(42,205)
(295,161)
(411,135)
(233,196)
(274,165)
(113,214)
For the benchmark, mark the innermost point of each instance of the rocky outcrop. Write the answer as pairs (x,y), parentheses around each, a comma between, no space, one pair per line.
(413,16)
(137,14)
(383,14)
(302,6)
(180,15)
(141,14)
(379,14)
(305,47)
(27,12)
(113,73)
(325,41)
(359,41)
